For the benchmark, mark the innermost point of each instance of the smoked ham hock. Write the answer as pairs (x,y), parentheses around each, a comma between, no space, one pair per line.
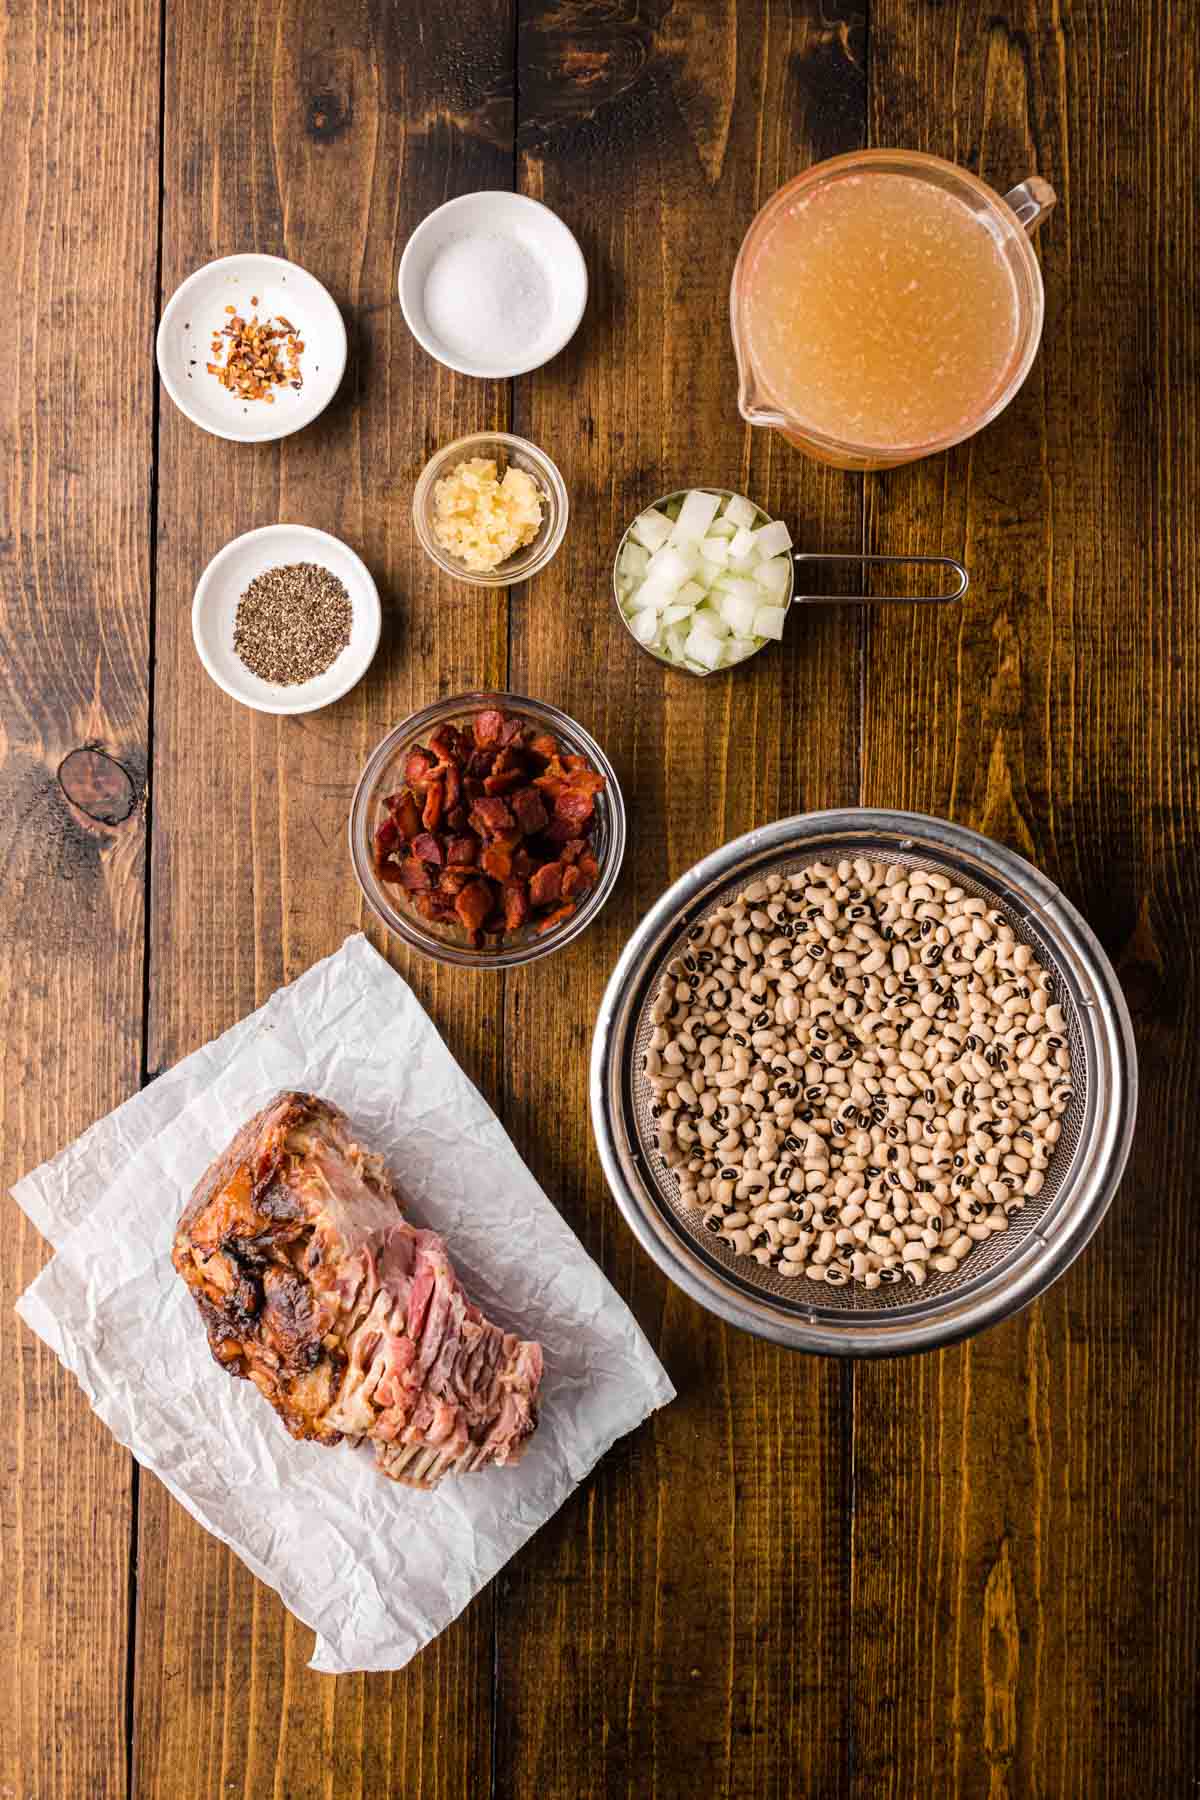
(349,1320)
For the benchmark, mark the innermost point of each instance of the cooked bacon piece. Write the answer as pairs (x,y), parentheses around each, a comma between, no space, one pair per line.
(553,778)
(406,813)
(546,885)
(574,807)
(415,876)
(490,815)
(504,781)
(427,848)
(433,804)
(528,810)
(497,858)
(551,919)
(447,743)
(585,780)
(487,726)
(473,905)
(506,814)
(516,906)
(438,904)
(461,851)
(350,1322)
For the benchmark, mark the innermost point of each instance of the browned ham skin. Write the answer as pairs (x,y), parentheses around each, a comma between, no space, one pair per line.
(350,1321)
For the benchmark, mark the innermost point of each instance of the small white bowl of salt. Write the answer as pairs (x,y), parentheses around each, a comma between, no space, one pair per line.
(492,284)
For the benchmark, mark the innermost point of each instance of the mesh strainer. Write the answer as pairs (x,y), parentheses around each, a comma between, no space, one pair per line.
(999,1276)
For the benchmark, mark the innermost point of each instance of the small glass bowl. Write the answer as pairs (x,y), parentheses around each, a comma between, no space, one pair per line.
(384,774)
(507,452)
(761,518)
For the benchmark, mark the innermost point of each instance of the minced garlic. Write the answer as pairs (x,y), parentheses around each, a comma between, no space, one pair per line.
(481,519)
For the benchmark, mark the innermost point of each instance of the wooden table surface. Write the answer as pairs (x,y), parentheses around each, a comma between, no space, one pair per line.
(971,1573)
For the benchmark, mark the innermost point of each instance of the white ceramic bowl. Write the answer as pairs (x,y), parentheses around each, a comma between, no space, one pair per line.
(533,226)
(197,307)
(226,579)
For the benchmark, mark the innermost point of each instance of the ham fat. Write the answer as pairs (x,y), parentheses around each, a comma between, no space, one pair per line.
(349,1320)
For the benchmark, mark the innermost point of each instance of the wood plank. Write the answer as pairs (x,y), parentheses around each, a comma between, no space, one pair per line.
(1025,1562)
(77,237)
(690,1601)
(325,138)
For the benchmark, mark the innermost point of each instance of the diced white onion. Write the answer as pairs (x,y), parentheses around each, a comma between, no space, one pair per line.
(704,586)
(740,511)
(715,549)
(768,621)
(775,575)
(651,528)
(702,647)
(772,540)
(695,516)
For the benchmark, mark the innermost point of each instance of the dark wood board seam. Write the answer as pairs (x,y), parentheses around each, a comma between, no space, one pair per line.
(849,1386)
(146,1075)
(513,422)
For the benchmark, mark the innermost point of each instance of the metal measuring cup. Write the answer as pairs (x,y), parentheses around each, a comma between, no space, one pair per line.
(798,558)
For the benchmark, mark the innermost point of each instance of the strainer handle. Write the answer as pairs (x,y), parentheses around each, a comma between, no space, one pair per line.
(962,581)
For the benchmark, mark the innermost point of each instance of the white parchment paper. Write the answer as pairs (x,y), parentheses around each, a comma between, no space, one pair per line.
(376,1569)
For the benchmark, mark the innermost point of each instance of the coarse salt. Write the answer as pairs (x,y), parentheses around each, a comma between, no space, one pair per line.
(487,298)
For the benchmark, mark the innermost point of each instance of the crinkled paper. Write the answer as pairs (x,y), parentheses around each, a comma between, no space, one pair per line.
(376,1569)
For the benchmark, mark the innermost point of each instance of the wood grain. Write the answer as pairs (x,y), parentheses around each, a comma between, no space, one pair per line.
(691,1599)
(967,1574)
(1025,1568)
(74,605)
(325,138)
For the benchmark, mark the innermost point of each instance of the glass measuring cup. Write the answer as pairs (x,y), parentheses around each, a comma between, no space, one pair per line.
(927,347)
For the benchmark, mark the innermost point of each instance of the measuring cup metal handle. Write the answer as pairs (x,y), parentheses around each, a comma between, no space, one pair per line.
(962,581)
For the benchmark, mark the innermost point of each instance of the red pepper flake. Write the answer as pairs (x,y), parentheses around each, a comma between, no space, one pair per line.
(260,355)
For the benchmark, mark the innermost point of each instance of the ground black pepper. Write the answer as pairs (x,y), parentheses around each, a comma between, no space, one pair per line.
(292,622)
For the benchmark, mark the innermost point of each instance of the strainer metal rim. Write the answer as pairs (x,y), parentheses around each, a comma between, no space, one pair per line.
(1044,1255)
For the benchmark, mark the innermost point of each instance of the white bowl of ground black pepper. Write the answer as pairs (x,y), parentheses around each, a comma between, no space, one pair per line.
(286,619)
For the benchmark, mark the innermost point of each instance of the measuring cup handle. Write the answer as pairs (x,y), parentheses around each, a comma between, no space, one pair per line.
(962,581)
(1032,201)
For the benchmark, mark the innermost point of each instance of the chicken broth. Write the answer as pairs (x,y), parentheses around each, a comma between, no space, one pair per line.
(881,310)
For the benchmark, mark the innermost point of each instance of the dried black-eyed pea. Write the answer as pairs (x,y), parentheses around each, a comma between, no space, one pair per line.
(906,1046)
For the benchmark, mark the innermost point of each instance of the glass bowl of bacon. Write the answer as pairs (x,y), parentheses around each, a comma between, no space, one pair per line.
(487,830)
